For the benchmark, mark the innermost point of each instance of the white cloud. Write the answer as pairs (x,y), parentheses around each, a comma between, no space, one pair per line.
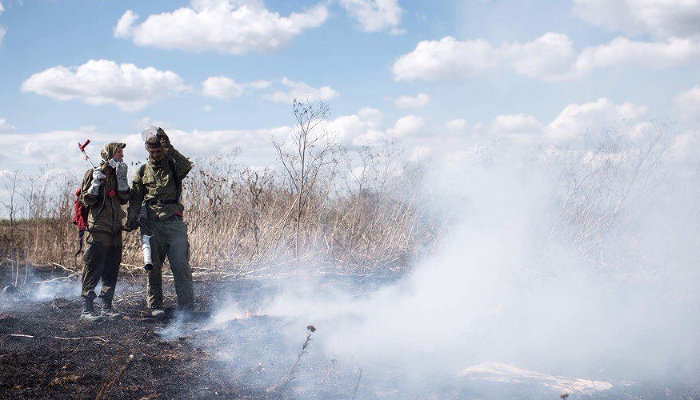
(515,124)
(575,121)
(407,126)
(1,8)
(302,92)
(549,57)
(420,100)
(34,150)
(207,108)
(232,27)
(446,58)
(456,125)
(375,15)
(622,52)
(106,82)
(5,126)
(221,87)
(661,18)
(688,104)
(357,129)
(125,26)
(685,147)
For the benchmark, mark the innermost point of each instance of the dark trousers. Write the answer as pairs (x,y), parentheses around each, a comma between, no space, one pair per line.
(101,263)
(170,240)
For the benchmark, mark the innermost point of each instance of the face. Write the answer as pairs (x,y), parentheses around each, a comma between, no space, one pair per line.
(155,153)
(118,154)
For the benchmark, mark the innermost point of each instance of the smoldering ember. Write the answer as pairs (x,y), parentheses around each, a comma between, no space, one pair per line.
(351,199)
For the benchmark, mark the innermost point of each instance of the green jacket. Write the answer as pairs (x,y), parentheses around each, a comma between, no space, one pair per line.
(159,181)
(106,216)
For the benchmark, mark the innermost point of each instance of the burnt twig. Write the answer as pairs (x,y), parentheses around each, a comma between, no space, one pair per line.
(290,376)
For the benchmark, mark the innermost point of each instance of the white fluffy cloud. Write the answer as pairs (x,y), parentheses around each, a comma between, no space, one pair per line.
(576,120)
(301,91)
(106,82)
(221,87)
(407,126)
(445,58)
(125,25)
(515,124)
(661,18)
(417,101)
(226,26)
(358,129)
(34,150)
(688,104)
(375,15)
(622,52)
(1,8)
(549,57)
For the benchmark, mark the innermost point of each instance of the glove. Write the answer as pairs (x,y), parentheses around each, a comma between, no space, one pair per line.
(122,180)
(163,137)
(97,178)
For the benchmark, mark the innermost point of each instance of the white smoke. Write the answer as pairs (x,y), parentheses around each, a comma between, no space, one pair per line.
(579,263)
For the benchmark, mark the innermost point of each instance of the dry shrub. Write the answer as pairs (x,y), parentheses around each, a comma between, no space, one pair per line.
(247,221)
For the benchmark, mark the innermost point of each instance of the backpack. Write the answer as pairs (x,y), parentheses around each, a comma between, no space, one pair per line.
(80,219)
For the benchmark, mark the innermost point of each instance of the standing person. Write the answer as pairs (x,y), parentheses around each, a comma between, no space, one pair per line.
(104,190)
(157,187)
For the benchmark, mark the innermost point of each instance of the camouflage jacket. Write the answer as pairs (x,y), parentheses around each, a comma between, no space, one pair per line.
(159,183)
(106,216)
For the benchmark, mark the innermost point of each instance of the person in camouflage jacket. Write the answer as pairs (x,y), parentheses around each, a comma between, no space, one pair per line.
(104,190)
(157,187)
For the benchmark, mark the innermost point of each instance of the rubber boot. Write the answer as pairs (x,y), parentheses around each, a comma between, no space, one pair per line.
(88,313)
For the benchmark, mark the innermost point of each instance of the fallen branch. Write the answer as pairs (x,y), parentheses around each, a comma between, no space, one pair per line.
(81,338)
(21,335)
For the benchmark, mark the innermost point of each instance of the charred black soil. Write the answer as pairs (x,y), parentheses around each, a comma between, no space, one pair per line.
(47,352)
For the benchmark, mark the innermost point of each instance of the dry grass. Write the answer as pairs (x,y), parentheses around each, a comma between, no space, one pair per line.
(244,221)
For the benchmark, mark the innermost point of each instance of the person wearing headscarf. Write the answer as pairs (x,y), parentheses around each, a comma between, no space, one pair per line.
(104,190)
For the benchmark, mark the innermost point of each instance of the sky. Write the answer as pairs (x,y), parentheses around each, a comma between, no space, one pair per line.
(220,75)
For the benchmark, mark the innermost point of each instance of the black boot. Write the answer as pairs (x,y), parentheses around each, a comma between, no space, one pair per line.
(88,313)
(108,311)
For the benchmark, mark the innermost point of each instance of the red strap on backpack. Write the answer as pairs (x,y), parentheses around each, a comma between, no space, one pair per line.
(80,213)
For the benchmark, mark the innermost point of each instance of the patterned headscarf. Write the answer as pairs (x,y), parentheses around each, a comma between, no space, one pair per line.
(109,149)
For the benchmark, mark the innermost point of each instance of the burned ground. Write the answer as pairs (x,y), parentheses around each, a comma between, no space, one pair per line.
(47,352)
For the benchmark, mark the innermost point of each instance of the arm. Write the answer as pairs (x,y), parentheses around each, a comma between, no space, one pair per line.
(88,200)
(182,164)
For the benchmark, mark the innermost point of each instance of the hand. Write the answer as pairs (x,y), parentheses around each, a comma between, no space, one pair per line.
(163,137)
(97,178)
(122,179)
(98,175)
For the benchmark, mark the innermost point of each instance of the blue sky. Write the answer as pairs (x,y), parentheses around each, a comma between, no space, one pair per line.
(436,75)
